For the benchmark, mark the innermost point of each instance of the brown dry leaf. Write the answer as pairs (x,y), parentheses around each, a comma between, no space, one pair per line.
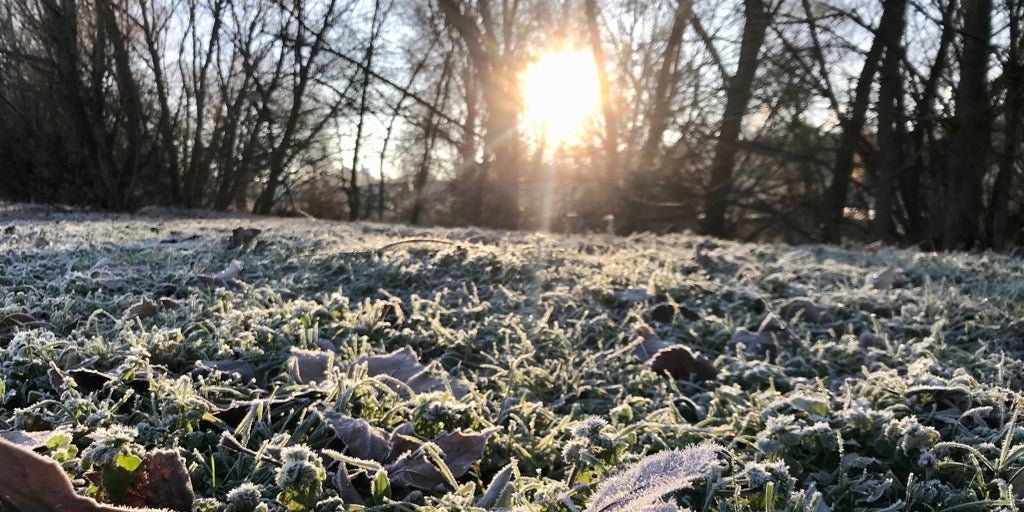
(169,303)
(756,343)
(806,311)
(12,321)
(88,380)
(109,273)
(682,363)
(34,483)
(459,452)
(415,471)
(672,359)
(651,344)
(360,438)
(145,308)
(868,339)
(241,237)
(308,366)
(404,366)
(162,479)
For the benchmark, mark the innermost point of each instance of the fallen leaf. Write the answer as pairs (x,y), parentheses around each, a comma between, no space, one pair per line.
(672,359)
(359,437)
(868,339)
(169,303)
(109,273)
(651,343)
(145,308)
(12,321)
(632,295)
(756,343)
(229,278)
(804,310)
(10,230)
(415,471)
(462,450)
(241,237)
(883,279)
(459,452)
(88,380)
(664,313)
(308,366)
(31,440)
(39,242)
(34,483)
(162,479)
(682,363)
(344,485)
(179,242)
(403,365)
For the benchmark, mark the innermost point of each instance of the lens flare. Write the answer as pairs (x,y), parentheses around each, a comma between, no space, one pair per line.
(560,92)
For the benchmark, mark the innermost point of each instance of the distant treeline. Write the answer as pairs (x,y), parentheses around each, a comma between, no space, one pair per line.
(794,120)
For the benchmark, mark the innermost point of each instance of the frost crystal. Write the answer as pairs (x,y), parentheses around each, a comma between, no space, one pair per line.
(641,487)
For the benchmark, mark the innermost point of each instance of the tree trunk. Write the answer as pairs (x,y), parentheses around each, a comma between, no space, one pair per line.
(496,73)
(168,142)
(608,185)
(969,152)
(890,116)
(739,91)
(657,120)
(1013,132)
(853,126)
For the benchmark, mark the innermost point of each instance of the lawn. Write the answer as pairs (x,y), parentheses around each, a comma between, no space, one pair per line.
(242,363)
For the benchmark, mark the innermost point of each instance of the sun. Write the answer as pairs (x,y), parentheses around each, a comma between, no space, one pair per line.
(560,92)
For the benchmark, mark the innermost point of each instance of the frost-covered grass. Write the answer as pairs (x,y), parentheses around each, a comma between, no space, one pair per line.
(905,399)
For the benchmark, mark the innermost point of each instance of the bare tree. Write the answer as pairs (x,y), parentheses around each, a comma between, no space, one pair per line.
(489,39)
(738,90)
(890,123)
(1013,127)
(969,152)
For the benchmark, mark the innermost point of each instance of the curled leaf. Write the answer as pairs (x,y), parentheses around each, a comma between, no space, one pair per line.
(241,237)
(682,363)
(672,359)
(34,483)
(361,439)
(145,308)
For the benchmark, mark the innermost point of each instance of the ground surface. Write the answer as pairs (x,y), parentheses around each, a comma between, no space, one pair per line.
(443,369)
